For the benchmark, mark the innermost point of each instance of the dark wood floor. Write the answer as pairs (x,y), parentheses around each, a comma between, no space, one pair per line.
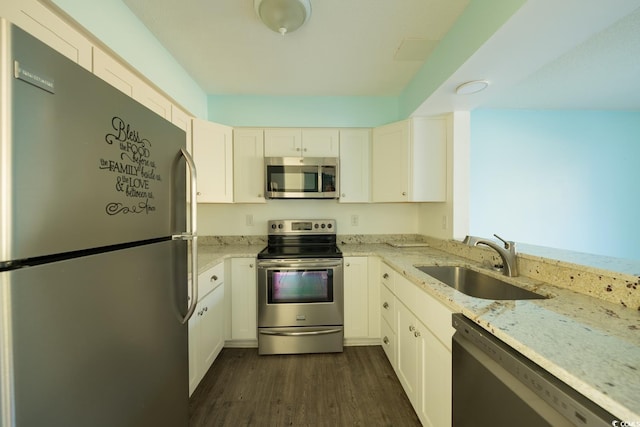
(354,388)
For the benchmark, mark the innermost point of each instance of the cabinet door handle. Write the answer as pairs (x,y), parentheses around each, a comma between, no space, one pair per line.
(385,340)
(404,193)
(412,328)
(348,264)
(250,265)
(214,278)
(416,334)
(385,305)
(385,276)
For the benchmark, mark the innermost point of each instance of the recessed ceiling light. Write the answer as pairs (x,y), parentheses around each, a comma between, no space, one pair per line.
(474,86)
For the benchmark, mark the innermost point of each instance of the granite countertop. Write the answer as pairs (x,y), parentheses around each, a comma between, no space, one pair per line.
(590,344)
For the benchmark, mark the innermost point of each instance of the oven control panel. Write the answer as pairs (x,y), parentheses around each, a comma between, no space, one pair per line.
(302,226)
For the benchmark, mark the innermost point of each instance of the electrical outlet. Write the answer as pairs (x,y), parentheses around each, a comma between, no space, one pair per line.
(355,220)
(249,220)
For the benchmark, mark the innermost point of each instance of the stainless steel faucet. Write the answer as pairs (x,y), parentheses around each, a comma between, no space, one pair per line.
(507,253)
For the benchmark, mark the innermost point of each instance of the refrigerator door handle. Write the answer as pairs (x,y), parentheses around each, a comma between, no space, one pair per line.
(191,235)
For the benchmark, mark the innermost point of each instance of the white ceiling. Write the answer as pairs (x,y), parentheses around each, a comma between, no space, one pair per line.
(550,54)
(554,54)
(346,48)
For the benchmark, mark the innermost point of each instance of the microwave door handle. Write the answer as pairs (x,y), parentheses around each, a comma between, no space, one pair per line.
(191,235)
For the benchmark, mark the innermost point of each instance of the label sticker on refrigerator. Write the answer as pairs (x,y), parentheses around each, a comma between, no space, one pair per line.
(34,78)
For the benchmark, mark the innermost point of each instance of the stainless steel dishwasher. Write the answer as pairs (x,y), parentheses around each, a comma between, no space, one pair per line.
(494,385)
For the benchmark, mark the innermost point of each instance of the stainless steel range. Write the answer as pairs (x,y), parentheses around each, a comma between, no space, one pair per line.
(300,289)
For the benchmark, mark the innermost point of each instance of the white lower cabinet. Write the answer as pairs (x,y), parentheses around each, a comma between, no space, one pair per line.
(356,298)
(409,351)
(206,326)
(424,369)
(418,345)
(361,301)
(434,402)
(244,308)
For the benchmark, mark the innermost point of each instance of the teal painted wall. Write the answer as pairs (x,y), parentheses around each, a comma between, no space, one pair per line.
(116,26)
(564,179)
(302,111)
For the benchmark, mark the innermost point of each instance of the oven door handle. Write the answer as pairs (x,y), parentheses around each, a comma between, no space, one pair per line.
(297,263)
(299,334)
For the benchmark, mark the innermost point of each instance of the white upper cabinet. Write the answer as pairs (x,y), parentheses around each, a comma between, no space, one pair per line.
(213,155)
(355,170)
(320,142)
(295,142)
(282,142)
(248,166)
(36,19)
(125,80)
(409,161)
(182,119)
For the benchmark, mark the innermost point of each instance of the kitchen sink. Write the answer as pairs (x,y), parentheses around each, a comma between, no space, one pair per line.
(476,284)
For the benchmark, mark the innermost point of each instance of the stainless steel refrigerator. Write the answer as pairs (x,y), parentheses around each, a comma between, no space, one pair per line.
(93,249)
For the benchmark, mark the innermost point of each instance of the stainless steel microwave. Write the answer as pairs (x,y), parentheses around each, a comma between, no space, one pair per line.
(301,177)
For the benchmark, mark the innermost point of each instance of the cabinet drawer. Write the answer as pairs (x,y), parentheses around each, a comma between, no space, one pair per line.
(387,276)
(387,304)
(427,309)
(210,279)
(388,341)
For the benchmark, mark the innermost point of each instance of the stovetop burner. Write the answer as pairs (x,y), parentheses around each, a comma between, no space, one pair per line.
(291,239)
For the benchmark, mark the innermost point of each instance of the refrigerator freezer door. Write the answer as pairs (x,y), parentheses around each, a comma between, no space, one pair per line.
(83,165)
(98,340)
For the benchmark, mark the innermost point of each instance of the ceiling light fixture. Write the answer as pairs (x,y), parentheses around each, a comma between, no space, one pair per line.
(474,86)
(283,16)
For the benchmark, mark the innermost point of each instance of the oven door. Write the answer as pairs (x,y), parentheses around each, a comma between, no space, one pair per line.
(294,293)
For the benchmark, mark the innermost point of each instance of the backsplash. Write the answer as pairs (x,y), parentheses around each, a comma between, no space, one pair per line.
(233,240)
(355,239)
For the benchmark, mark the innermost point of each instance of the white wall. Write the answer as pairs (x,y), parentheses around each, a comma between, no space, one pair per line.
(451,219)
(379,218)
